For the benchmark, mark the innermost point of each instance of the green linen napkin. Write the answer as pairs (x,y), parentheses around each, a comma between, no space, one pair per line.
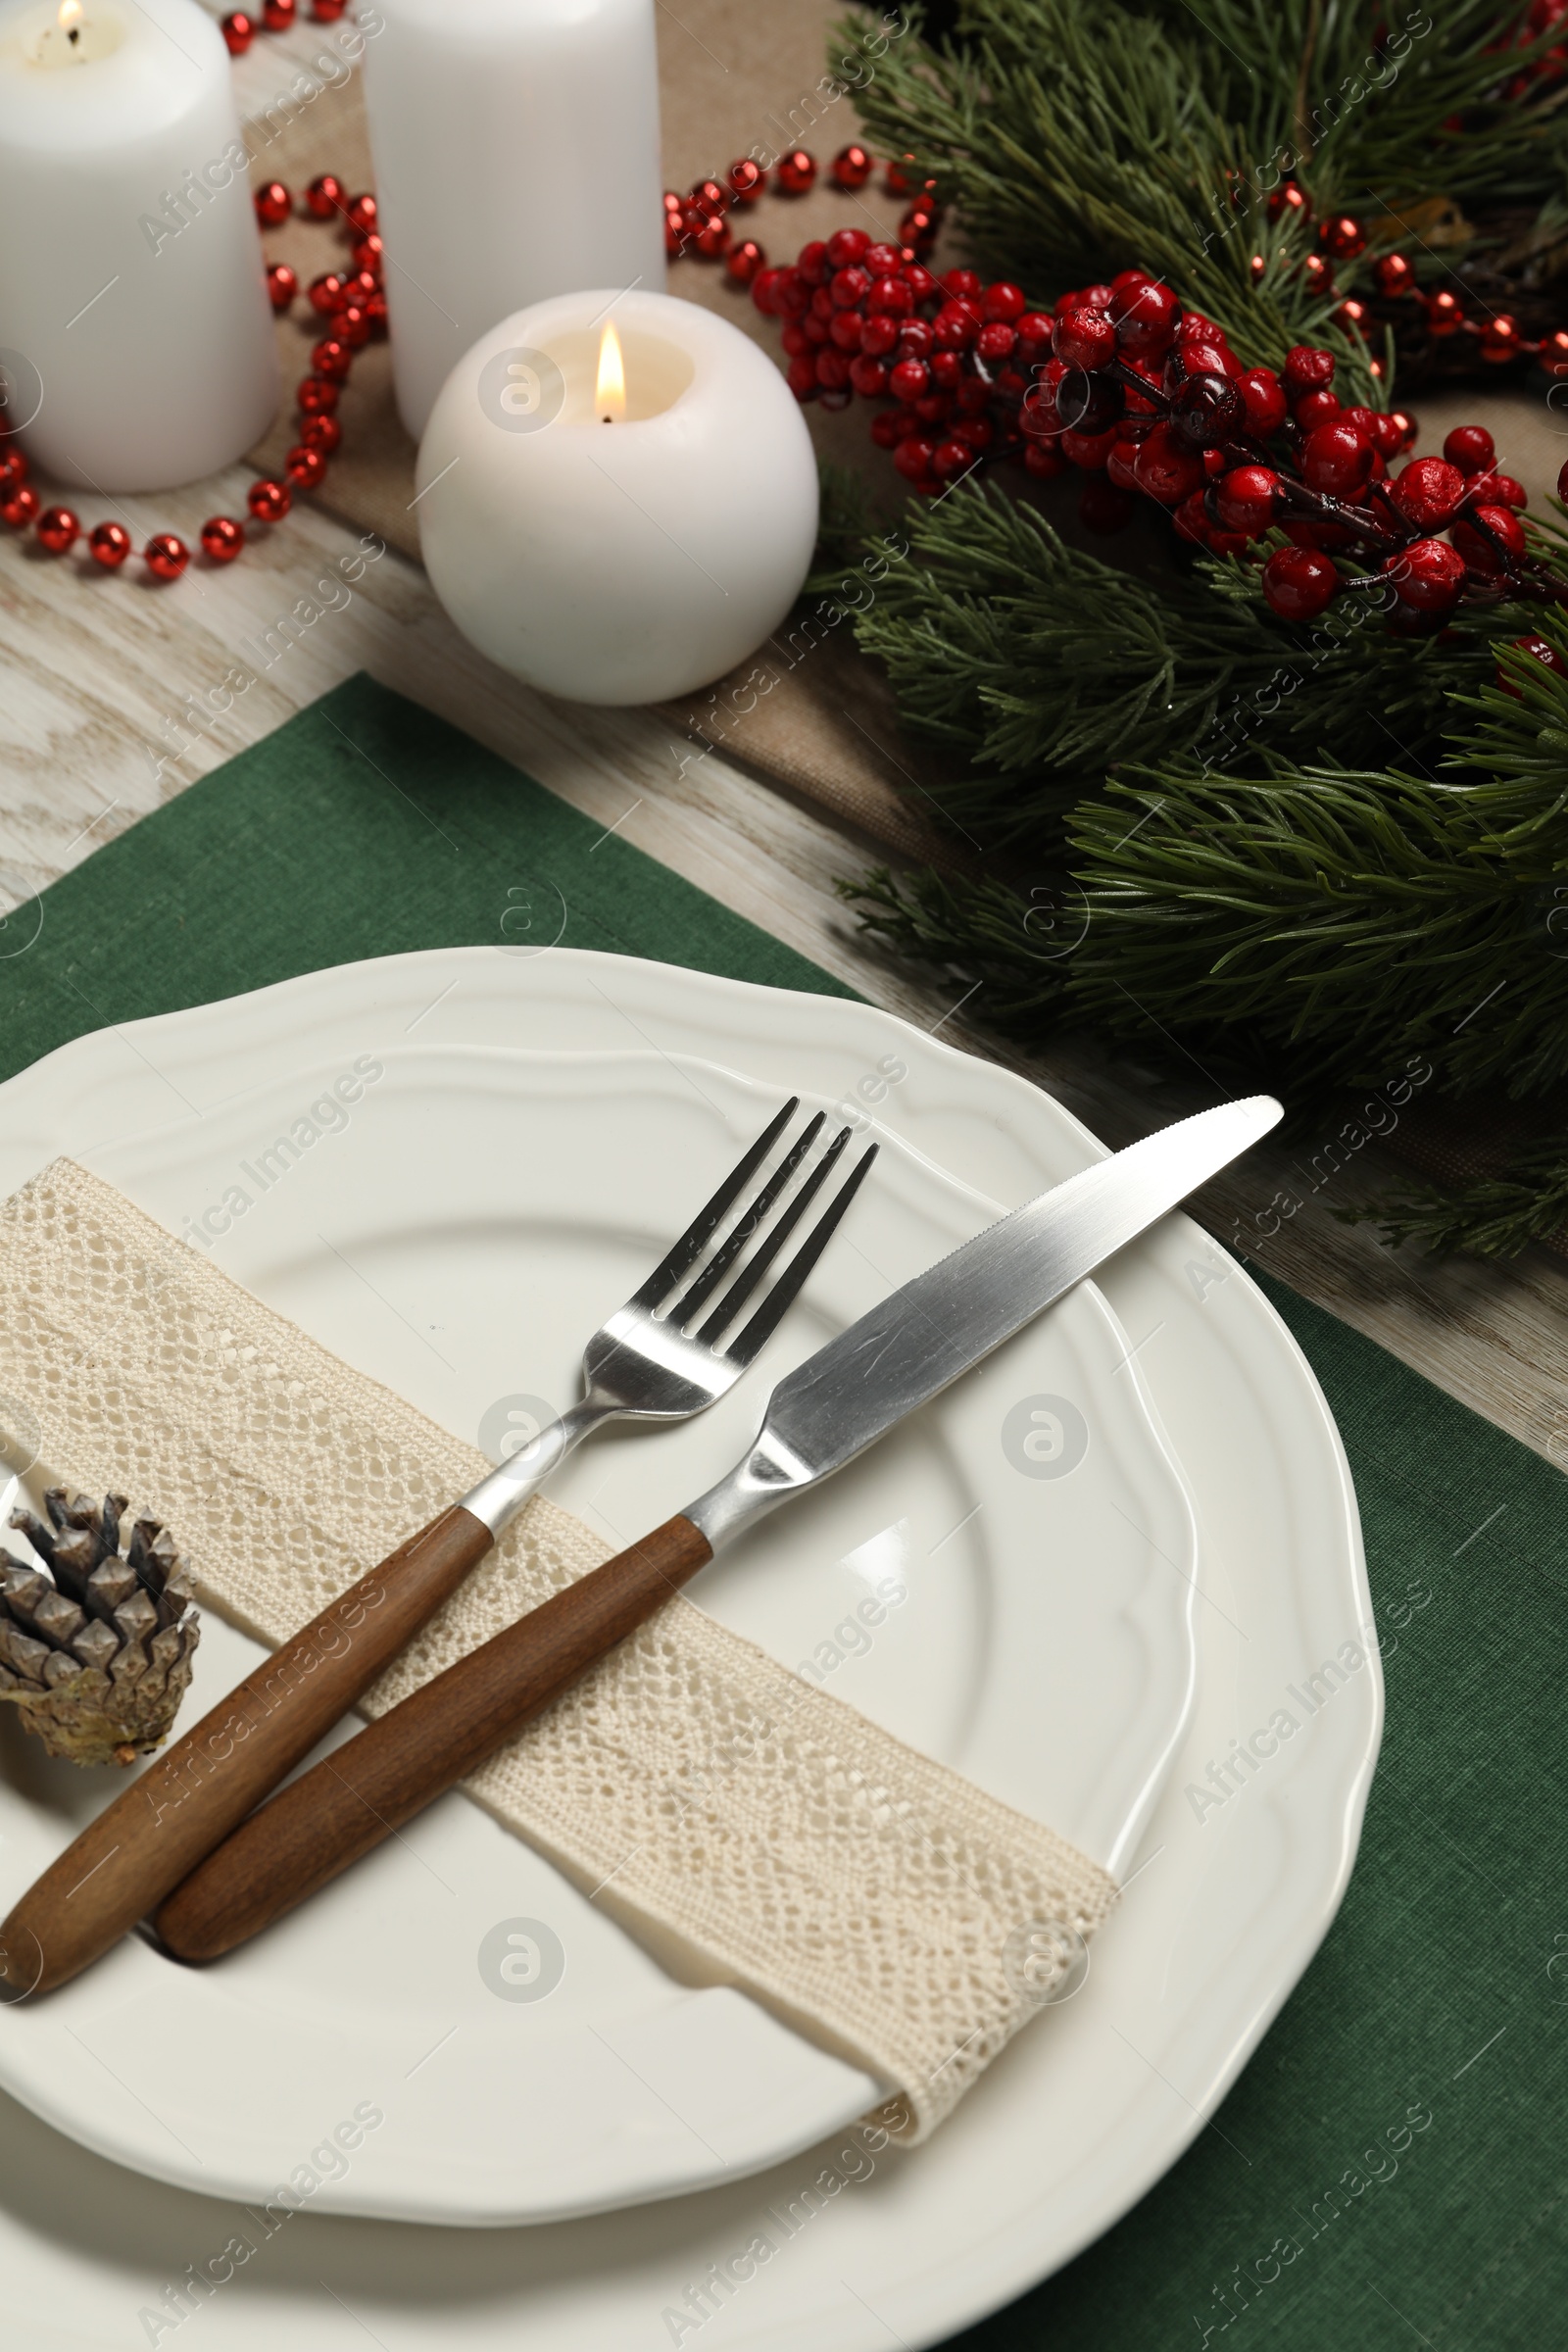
(366,827)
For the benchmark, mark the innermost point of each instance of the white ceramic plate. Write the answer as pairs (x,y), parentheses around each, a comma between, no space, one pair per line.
(457,1234)
(1221,1915)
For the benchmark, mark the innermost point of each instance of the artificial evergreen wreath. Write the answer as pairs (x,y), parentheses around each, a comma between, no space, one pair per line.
(1318,855)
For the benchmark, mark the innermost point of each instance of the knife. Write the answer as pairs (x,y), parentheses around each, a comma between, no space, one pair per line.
(841,1401)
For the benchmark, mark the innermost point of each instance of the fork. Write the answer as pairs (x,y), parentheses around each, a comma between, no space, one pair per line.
(645,1363)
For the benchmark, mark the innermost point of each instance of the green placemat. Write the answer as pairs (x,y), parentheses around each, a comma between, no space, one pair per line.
(1391,2170)
(1316,2211)
(361,827)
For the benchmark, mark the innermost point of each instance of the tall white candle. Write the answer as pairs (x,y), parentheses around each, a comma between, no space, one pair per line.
(617,498)
(136,344)
(516,156)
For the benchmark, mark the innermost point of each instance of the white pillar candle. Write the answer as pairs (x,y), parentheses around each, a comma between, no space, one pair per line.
(136,344)
(616,541)
(516,156)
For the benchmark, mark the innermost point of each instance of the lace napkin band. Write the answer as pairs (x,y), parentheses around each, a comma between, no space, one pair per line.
(753,1828)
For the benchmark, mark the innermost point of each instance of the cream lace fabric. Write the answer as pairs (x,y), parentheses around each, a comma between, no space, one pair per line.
(754,1829)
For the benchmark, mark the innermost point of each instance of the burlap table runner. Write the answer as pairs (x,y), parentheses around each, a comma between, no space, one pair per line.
(753,1828)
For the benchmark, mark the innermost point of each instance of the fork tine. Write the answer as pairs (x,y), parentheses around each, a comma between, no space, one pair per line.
(745,1348)
(713,1273)
(700,1232)
(751,1274)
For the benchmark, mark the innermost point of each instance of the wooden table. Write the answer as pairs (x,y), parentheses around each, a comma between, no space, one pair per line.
(97,680)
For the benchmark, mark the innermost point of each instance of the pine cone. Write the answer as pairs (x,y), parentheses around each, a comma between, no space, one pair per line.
(97,1654)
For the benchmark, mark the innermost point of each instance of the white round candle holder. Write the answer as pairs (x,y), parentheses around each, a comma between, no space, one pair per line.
(611,547)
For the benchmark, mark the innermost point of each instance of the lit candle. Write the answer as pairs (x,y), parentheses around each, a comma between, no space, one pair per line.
(136,344)
(617,507)
(516,156)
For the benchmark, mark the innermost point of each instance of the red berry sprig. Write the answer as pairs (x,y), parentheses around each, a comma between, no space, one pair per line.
(1144,398)
(351,306)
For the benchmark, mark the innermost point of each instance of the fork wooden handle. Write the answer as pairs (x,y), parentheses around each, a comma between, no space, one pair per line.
(158,1829)
(354,1798)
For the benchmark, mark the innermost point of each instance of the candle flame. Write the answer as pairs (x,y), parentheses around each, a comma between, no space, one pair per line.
(610,392)
(70,15)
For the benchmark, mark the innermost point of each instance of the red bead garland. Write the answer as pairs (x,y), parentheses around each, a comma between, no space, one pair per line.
(1115,381)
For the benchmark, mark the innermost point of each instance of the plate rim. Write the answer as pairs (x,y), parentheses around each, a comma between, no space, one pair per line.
(1015,2252)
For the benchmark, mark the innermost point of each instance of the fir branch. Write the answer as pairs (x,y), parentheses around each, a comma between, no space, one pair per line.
(1326,921)
(1513,756)
(843,525)
(979,929)
(1078,135)
(1395,101)
(1222,864)
(1038,668)
(1344,918)
(1074,137)
(1493,1217)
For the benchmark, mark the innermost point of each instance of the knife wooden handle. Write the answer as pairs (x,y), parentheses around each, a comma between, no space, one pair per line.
(187,1801)
(354,1798)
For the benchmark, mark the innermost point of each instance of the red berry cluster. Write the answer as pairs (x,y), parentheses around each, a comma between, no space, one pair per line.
(1141,396)
(951,353)
(1544,17)
(352,308)
(700,222)
(275,16)
(1156,397)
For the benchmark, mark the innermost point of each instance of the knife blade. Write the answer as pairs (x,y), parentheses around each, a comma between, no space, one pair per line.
(907,1350)
(841,1401)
